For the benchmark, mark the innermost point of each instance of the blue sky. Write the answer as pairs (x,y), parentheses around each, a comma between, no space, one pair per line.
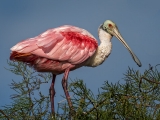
(138,22)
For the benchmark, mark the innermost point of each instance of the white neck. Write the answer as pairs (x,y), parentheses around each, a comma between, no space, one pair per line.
(103,51)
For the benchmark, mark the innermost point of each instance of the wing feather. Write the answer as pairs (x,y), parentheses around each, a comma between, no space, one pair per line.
(66,43)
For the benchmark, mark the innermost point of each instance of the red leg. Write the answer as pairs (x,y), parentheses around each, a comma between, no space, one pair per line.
(52,93)
(64,85)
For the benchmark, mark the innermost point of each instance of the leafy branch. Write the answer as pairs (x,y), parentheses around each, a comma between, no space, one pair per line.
(137,98)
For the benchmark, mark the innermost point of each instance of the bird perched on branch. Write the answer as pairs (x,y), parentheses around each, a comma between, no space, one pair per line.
(66,48)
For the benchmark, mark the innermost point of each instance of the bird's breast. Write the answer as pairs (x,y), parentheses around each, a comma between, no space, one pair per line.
(100,55)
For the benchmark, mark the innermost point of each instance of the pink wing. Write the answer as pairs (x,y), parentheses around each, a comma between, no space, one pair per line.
(66,43)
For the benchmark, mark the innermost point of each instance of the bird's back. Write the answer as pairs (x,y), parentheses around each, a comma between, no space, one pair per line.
(56,49)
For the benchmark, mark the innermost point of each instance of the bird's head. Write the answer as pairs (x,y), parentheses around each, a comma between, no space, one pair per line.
(111,28)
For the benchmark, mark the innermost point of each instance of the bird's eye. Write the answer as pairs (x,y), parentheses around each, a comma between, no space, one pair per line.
(110,25)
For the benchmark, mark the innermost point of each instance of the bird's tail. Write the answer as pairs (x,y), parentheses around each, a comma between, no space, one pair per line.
(23,57)
(18,56)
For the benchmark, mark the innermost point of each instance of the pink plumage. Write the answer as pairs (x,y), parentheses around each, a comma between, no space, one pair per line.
(56,49)
(66,48)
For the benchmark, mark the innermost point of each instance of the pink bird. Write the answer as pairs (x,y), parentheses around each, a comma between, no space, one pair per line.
(66,48)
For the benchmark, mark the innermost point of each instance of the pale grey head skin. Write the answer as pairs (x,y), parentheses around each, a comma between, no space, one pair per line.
(111,28)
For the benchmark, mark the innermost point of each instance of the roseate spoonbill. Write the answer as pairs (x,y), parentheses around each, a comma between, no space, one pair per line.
(63,49)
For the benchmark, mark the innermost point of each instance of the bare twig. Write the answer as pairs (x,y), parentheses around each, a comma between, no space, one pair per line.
(144,78)
(4,114)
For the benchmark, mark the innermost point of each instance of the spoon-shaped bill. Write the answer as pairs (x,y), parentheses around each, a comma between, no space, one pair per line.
(117,34)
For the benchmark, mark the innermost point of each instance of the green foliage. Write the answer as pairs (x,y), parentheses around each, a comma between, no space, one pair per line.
(25,105)
(137,98)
